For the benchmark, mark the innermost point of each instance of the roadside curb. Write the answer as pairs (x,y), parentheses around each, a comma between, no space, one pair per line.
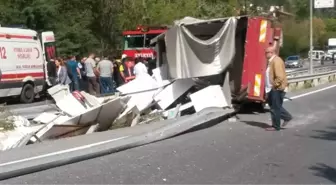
(203,119)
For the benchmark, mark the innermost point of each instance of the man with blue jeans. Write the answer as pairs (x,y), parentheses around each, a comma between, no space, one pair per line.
(276,83)
(105,69)
(75,73)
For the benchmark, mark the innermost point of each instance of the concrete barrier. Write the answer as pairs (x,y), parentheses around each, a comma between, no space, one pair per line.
(309,81)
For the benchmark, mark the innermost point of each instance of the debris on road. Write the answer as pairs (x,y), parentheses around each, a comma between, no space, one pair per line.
(176,88)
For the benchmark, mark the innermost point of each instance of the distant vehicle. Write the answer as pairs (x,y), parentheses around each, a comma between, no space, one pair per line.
(331,46)
(328,56)
(317,55)
(293,62)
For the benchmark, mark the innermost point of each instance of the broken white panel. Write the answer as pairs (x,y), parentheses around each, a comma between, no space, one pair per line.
(10,139)
(211,96)
(64,130)
(90,116)
(70,105)
(160,74)
(142,83)
(45,131)
(109,113)
(139,100)
(172,92)
(92,101)
(182,108)
(92,129)
(49,117)
(58,92)
(105,99)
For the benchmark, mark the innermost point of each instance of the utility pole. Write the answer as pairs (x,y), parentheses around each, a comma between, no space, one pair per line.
(245,5)
(311,68)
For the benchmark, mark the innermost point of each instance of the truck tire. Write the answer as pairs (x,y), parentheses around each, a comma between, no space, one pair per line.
(27,93)
(260,107)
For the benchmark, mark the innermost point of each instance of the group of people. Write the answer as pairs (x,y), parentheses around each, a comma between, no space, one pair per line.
(94,75)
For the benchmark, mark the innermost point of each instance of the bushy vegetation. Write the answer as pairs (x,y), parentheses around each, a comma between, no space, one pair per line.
(86,25)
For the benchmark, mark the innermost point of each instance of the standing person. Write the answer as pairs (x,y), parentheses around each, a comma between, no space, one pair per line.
(74,70)
(276,83)
(117,73)
(128,69)
(122,69)
(139,68)
(90,66)
(84,77)
(62,74)
(51,71)
(105,69)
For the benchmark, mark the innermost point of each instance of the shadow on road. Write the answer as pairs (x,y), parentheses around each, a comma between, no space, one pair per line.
(325,171)
(329,134)
(257,124)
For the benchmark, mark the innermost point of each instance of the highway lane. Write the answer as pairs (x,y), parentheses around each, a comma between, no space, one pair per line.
(316,65)
(231,152)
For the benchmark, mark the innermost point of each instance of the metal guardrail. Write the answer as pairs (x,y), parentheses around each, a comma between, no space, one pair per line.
(311,77)
(305,71)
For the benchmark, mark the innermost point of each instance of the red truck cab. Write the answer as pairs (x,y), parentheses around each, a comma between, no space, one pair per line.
(137,42)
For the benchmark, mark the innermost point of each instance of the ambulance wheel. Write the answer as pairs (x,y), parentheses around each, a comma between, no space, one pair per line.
(27,94)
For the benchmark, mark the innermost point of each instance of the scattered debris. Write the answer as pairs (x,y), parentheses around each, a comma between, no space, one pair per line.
(144,100)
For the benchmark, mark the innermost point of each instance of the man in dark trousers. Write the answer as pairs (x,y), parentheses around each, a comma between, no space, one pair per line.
(276,83)
(91,73)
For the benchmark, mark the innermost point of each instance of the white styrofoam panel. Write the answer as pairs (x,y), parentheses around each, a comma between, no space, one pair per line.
(211,96)
(172,92)
(143,83)
(70,105)
(109,113)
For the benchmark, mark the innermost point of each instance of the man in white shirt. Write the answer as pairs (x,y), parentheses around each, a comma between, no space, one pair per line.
(276,83)
(139,68)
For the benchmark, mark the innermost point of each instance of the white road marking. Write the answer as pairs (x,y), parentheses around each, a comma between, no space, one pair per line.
(62,151)
(310,93)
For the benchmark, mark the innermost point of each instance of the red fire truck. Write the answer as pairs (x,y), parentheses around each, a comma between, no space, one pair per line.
(137,42)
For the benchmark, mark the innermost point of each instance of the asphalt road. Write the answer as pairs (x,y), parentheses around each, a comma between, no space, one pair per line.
(30,111)
(228,153)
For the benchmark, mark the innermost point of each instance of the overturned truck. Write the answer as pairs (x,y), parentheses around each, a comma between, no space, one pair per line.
(227,51)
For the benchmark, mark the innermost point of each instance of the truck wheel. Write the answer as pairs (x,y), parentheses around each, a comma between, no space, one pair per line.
(259,107)
(27,94)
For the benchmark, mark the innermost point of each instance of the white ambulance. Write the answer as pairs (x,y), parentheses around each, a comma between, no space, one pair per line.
(23,57)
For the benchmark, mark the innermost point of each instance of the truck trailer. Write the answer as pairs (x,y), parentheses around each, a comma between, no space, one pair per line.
(228,51)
